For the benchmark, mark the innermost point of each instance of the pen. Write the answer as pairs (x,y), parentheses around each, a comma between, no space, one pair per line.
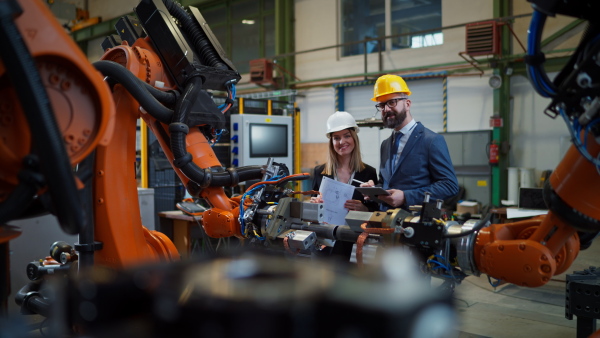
(357,181)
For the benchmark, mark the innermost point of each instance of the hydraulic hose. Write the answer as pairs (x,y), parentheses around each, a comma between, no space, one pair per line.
(138,89)
(183,160)
(29,299)
(208,54)
(47,138)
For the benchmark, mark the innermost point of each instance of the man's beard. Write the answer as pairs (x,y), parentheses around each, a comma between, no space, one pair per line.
(399,118)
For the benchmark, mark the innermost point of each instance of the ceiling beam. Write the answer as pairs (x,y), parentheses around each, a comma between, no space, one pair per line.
(563,35)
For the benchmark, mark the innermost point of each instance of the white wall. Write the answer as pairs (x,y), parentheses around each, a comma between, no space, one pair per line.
(538,141)
(470,103)
(316,105)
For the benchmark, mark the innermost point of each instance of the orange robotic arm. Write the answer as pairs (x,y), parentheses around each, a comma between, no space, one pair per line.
(160,78)
(529,253)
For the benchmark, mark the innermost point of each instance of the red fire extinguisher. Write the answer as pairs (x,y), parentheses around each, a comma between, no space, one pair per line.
(494,153)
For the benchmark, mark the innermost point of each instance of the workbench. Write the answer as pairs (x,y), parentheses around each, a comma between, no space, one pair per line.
(182,228)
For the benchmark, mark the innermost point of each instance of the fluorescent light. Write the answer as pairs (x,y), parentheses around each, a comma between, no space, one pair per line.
(248,22)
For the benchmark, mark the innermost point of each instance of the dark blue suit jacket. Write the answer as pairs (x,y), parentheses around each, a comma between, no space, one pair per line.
(424,166)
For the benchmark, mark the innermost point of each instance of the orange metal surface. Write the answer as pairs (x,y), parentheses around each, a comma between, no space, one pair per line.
(80,99)
(573,180)
(221,223)
(9,232)
(116,212)
(526,253)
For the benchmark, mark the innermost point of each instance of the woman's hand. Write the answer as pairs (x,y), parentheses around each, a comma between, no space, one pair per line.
(369,183)
(355,205)
(317,199)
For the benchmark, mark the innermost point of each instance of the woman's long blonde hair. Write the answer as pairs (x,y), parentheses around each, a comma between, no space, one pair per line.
(356,163)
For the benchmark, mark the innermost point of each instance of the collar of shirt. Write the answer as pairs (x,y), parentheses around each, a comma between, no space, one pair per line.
(408,128)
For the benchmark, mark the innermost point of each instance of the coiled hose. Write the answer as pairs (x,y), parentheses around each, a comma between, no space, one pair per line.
(139,90)
(208,54)
(183,160)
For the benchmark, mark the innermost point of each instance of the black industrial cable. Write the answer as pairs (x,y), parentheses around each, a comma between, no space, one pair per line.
(208,54)
(17,202)
(31,300)
(137,88)
(183,160)
(47,139)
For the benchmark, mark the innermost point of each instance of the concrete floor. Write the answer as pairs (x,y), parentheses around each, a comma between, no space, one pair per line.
(513,311)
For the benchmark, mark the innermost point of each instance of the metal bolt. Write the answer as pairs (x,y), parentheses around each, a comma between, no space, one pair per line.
(54,79)
(65,85)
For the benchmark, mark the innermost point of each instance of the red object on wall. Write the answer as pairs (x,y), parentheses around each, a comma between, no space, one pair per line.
(261,71)
(494,153)
(496,121)
(483,38)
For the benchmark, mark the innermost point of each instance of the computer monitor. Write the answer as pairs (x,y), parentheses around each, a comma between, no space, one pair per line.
(255,138)
(268,140)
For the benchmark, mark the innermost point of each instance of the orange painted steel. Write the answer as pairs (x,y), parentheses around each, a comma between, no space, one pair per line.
(575,180)
(79,97)
(116,211)
(530,252)
(513,252)
(221,223)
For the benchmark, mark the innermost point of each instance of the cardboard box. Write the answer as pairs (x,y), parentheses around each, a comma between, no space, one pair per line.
(468,207)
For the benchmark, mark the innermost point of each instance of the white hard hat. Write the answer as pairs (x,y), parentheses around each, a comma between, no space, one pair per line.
(340,120)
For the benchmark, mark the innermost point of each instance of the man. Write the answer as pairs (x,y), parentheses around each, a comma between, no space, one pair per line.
(414,159)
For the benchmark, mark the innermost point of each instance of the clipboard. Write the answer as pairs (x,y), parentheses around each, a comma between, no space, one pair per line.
(372,192)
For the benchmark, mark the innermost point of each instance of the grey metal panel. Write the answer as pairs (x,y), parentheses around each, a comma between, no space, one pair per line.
(478,188)
(475,147)
(468,151)
(455,147)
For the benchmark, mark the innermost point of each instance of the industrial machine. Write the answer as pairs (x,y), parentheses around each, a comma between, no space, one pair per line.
(67,147)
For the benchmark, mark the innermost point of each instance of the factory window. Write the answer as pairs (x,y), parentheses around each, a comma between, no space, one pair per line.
(362,20)
(245,29)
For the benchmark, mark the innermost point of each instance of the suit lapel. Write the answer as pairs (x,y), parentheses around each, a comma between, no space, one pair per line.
(386,168)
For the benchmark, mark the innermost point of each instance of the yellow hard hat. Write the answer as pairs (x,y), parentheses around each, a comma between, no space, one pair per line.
(387,84)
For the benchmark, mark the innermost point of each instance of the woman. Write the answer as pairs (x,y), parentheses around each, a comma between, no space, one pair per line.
(344,162)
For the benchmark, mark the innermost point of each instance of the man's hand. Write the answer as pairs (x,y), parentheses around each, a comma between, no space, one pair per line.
(355,205)
(395,198)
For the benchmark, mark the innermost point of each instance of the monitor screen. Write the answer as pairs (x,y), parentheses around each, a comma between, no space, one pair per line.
(268,140)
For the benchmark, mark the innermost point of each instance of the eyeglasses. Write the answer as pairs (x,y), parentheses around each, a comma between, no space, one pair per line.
(390,103)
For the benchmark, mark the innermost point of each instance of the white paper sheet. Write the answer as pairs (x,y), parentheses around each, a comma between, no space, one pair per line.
(520,212)
(334,195)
